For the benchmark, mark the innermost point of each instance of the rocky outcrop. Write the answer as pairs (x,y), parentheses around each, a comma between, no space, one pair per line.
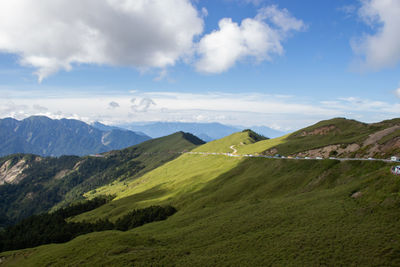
(61,174)
(319,131)
(389,148)
(327,151)
(375,137)
(12,173)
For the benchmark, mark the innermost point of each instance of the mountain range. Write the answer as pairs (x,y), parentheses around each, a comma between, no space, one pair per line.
(205,131)
(332,200)
(46,137)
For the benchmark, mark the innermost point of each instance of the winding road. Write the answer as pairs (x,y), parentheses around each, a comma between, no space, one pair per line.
(233,148)
(234,154)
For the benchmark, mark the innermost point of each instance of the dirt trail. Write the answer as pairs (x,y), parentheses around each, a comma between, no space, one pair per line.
(233,148)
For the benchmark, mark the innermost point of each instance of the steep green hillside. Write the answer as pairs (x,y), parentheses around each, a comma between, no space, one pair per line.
(47,182)
(260,212)
(186,174)
(337,137)
(237,140)
(335,131)
(261,146)
(249,211)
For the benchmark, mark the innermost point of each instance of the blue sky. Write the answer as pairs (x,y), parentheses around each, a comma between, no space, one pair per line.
(283,64)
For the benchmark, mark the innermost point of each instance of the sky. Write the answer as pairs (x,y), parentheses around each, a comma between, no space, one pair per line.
(280,63)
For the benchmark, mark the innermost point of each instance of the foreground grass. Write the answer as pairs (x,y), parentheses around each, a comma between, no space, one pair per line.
(260,212)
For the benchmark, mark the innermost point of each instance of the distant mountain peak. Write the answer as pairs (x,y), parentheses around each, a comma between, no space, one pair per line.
(255,136)
(192,138)
(47,137)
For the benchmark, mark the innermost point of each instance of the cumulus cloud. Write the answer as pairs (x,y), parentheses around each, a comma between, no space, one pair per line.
(142,105)
(254,2)
(381,49)
(204,12)
(281,18)
(254,37)
(54,35)
(348,10)
(113,105)
(397,92)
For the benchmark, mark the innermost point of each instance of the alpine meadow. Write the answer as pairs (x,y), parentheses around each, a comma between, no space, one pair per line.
(199,133)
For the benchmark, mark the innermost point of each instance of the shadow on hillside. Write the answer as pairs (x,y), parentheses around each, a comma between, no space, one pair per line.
(256,179)
(121,206)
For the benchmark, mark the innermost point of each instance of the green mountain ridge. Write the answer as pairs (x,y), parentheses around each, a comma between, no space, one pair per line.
(338,137)
(249,211)
(46,183)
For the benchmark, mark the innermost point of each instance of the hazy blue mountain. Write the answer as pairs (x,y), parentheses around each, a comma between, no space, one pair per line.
(103,127)
(267,131)
(107,128)
(205,131)
(46,137)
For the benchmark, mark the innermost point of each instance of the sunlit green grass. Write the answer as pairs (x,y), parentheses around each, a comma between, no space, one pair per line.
(187,174)
(235,211)
(223,145)
(261,146)
(260,212)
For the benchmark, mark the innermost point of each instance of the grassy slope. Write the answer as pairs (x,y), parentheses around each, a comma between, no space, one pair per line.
(223,145)
(137,160)
(345,132)
(236,211)
(261,146)
(261,212)
(166,184)
(188,173)
(48,192)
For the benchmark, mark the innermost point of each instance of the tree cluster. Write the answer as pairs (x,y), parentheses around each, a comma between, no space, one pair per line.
(139,217)
(81,207)
(49,228)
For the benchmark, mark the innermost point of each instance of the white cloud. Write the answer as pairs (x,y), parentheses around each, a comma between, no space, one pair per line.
(381,49)
(141,105)
(39,108)
(281,18)
(348,10)
(53,35)
(247,109)
(254,37)
(254,2)
(204,12)
(113,105)
(397,92)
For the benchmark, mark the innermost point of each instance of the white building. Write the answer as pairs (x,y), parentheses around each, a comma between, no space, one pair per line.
(394,158)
